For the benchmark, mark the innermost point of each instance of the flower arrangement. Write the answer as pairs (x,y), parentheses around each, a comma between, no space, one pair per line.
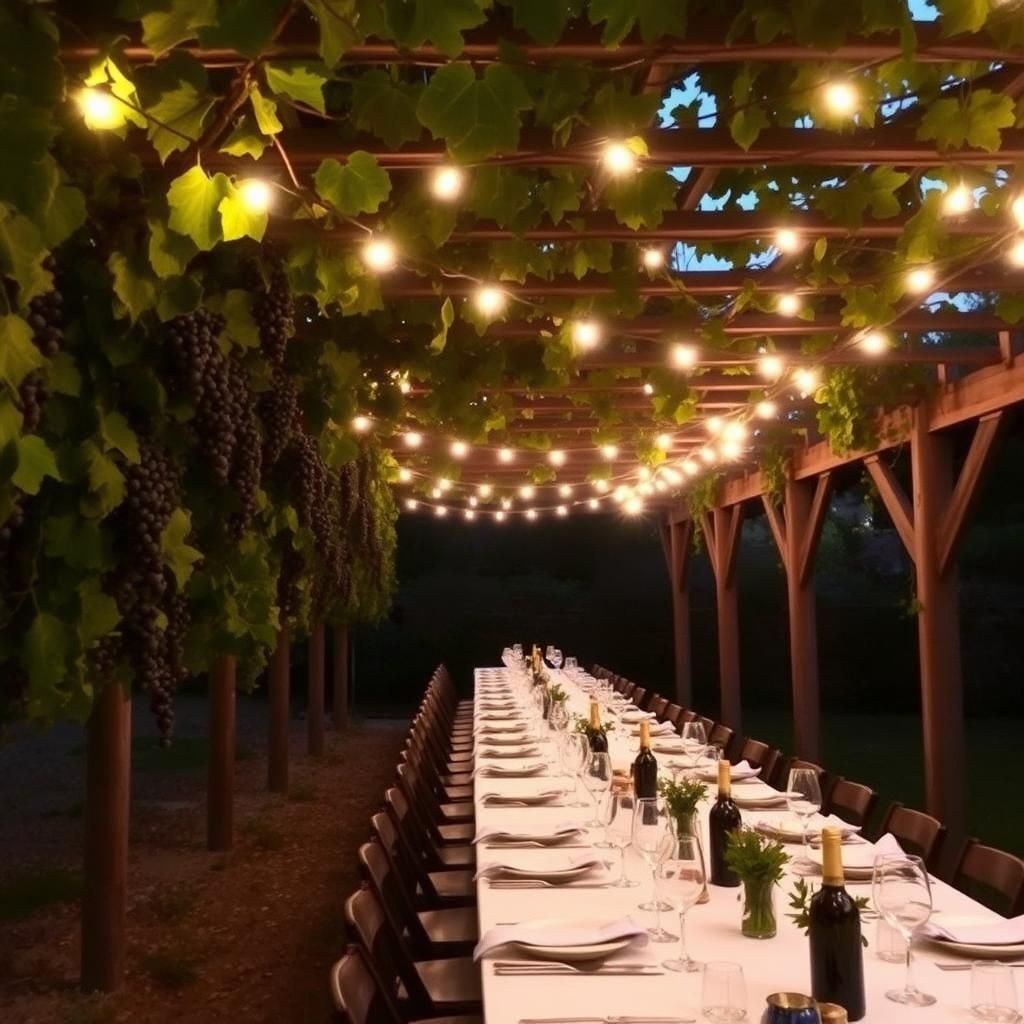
(759,863)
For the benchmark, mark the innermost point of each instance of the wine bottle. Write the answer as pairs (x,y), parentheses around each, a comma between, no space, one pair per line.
(723,818)
(595,734)
(837,958)
(645,767)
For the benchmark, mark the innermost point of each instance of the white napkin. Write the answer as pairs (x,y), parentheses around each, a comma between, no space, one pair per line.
(991,933)
(567,828)
(528,800)
(860,857)
(740,770)
(500,730)
(658,729)
(495,869)
(637,716)
(516,752)
(580,935)
(511,771)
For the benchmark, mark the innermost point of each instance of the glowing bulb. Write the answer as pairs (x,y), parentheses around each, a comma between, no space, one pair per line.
(621,493)
(660,486)
(788,305)
(499,516)
(653,259)
(444,484)
(100,109)
(412,439)
(731,449)
(531,514)
(561,511)
(256,195)
(663,441)
(648,389)
(875,343)
(770,367)
(485,491)
(1017,209)
(593,504)
(586,334)
(436,493)
(646,488)
(691,467)
(633,506)
(506,455)
(458,449)
(380,255)
(684,357)
(919,280)
(556,458)
(1016,253)
(440,511)
(405,474)
(644,473)
(619,159)
(672,476)
(600,484)
(472,502)
(609,451)
(361,424)
(708,455)
(714,425)
(527,491)
(735,431)
(411,504)
(469,514)
(957,200)
(506,503)
(841,98)
(489,301)
(787,240)
(766,410)
(806,380)
(404,386)
(565,490)
(447,182)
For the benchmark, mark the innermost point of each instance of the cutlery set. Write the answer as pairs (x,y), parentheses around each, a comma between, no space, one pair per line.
(515,968)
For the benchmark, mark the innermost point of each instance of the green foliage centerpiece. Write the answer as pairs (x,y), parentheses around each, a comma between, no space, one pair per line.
(759,863)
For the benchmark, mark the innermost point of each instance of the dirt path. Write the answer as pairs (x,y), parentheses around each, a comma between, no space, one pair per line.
(246,936)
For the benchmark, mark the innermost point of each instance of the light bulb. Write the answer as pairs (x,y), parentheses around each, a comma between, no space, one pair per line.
(806,380)
(405,474)
(633,506)
(648,389)
(646,488)
(506,503)
(444,484)
(436,493)
(469,514)
(684,357)
(770,367)
(594,504)
(619,159)
(600,484)
(766,410)
(458,449)
(787,240)
(609,451)
(531,514)
(412,439)
(653,259)
(1016,253)
(562,511)
(691,467)
(565,490)
(101,110)
(499,516)
(527,491)
(660,486)
(735,431)
(380,255)
(440,511)
(447,182)
(957,200)
(586,335)
(672,476)
(714,425)
(663,441)
(411,504)
(556,458)
(875,343)
(840,98)
(506,455)
(731,449)
(404,386)
(919,280)
(484,490)
(256,195)
(361,424)
(621,493)
(489,301)
(472,502)
(788,304)
(1017,209)
(644,473)
(708,455)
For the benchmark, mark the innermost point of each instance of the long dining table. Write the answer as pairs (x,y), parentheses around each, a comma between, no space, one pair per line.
(780,964)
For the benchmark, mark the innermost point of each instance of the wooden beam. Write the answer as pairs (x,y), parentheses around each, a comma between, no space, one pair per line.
(315,689)
(708,527)
(895,500)
(724,540)
(776,517)
(814,526)
(965,494)
(278,684)
(732,542)
(220,781)
(680,546)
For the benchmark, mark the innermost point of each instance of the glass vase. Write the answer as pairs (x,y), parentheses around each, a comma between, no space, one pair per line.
(759,909)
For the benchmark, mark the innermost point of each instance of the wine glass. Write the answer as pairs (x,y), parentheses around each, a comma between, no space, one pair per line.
(576,751)
(681,879)
(903,896)
(570,665)
(556,658)
(549,652)
(803,797)
(558,716)
(695,742)
(618,813)
(652,839)
(597,777)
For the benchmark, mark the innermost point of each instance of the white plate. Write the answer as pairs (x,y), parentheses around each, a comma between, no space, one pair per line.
(737,774)
(570,954)
(567,874)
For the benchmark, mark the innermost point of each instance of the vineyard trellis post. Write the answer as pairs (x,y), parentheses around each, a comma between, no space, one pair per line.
(315,702)
(278,681)
(340,676)
(221,767)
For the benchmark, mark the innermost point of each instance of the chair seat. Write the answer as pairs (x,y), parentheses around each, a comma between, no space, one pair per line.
(457,833)
(460,756)
(452,926)
(461,792)
(457,856)
(464,1018)
(461,811)
(453,885)
(457,778)
(453,985)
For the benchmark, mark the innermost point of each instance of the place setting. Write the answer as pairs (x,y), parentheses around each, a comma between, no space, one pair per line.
(564,836)
(545,798)
(587,871)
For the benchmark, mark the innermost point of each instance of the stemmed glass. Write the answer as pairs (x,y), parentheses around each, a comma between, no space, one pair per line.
(695,742)
(549,652)
(903,896)
(556,657)
(575,751)
(597,777)
(652,839)
(803,797)
(617,811)
(681,879)
(558,716)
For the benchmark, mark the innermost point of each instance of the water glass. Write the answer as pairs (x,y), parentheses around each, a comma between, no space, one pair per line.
(803,797)
(597,777)
(570,664)
(695,742)
(724,995)
(903,896)
(993,992)
(618,813)
(556,657)
(652,839)
(681,879)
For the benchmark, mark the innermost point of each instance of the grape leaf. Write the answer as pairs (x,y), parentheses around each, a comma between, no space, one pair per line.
(440,339)
(338,33)
(1011,307)
(265,110)
(961,15)
(64,378)
(618,110)
(177,118)
(134,285)
(22,252)
(44,651)
(119,436)
(243,25)
(169,23)
(178,296)
(386,108)
(747,124)
(299,81)
(178,556)
(544,20)
(106,482)
(74,540)
(975,120)
(18,355)
(240,221)
(99,614)
(360,186)
(36,461)
(442,22)
(561,193)
(194,200)
(240,325)
(641,199)
(656,19)
(62,215)
(245,140)
(477,117)
(169,252)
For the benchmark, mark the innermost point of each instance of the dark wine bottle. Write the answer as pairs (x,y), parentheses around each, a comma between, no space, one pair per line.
(645,767)
(837,958)
(723,818)
(595,734)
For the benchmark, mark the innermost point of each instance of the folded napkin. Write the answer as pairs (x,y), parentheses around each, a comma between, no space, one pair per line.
(512,772)
(659,729)
(762,802)
(501,716)
(493,730)
(637,716)
(999,932)
(577,866)
(558,833)
(739,771)
(517,752)
(859,858)
(527,799)
(582,934)
(791,829)
(511,739)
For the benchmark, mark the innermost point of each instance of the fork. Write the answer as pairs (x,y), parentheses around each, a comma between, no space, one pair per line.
(968,965)
(533,844)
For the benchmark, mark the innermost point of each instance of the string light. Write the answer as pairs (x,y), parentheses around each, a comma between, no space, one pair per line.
(444,484)
(499,516)
(621,493)
(660,486)
(919,280)
(411,504)
(1016,253)
(664,442)
(713,425)
(412,439)
(633,506)
(593,504)
(735,431)
(788,304)
(101,110)
(708,455)
(436,493)
(446,183)
(586,334)
(485,491)
(506,455)
(653,259)
(405,474)
(565,490)
(875,343)
(489,301)
(531,514)
(1017,209)
(690,467)
(556,458)
(469,514)
(684,357)
(404,386)
(672,476)
(787,240)
(770,367)
(619,159)
(440,511)
(731,449)
(506,503)
(527,491)
(646,488)
(562,511)
(380,255)
(600,484)
(362,424)
(648,388)
(256,195)
(766,410)
(644,473)
(806,380)
(472,502)
(609,452)
(841,98)
(957,200)
(458,449)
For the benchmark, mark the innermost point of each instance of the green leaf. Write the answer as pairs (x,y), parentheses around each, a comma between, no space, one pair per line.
(747,124)
(119,436)
(543,20)
(178,297)
(169,252)
(243,25)
(265,110)
(44,652)
(178,556)
(561,193)
(477,117)
(245,139)
(386,108)
(62,215)
(641,199)
(18,355)
(656,18)
(239,220)
(36,461)
(241,327)
(174,21)
(74,540)
(177,118)
(299,81)
(338,34)
(358,187)
(500,194)
(447,319)
(99,615)
(959,16)
(618,110)
(442,22)
(820,248)
(134,285)
(64,378)
(194,200)
(1011,307)
(976,121)
(106,482)
(22,251)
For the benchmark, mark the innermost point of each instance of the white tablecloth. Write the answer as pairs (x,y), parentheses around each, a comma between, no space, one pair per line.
(713,929)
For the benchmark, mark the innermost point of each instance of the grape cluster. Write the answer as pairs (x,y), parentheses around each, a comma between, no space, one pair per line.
(288,594)
(273,311)
(247,461)
(279,409)
(46,318)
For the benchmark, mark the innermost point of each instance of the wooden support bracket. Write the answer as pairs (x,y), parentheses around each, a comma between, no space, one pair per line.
(895,500)
(815,524)
(776,515)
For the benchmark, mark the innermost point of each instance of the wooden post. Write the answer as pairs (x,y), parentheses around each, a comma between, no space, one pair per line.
(220,783)
(277,691)
(722,532)
(315,703)
(340,671)
(677,539)
(105,867)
